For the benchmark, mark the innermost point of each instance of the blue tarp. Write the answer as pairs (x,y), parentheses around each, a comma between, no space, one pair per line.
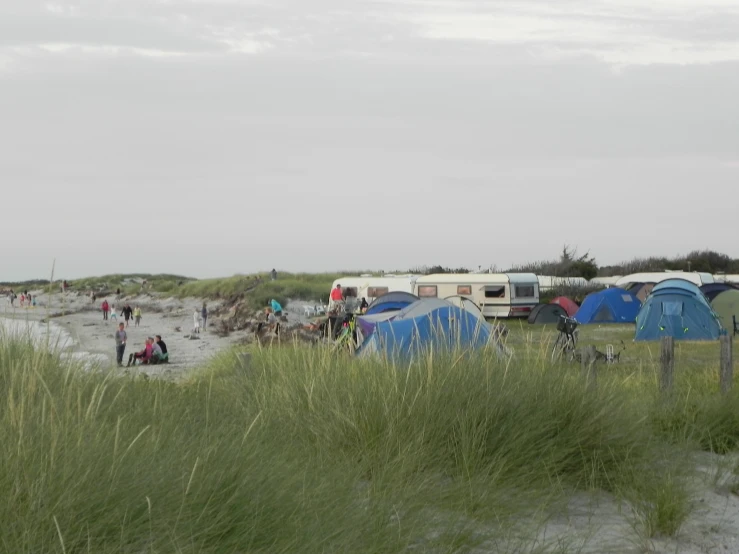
(612,305)
(677,308)
(426,324)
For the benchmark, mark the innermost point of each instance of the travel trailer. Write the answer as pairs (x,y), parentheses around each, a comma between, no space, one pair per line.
(697,278)
(498,295)
(548,282)
(371,287)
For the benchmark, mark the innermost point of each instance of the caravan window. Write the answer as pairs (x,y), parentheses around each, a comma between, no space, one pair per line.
(525,291)
(464,289)
(495,292)
(349,292)
(376,292)
(427,291)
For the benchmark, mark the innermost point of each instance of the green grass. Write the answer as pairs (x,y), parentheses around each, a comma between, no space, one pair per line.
(305,451)
(256,289)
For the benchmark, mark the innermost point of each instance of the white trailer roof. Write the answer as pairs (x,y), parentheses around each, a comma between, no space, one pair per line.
(694,277)
(477,278)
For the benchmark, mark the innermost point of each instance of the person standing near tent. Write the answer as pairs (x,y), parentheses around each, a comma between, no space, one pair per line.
(336,294)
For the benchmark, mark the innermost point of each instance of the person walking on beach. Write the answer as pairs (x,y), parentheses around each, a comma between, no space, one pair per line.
(112,313)
(106,308)
(127,313)
(120,343)
(204,314)
(137,316)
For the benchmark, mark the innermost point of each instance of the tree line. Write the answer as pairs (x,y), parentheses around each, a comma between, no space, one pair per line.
(571,263)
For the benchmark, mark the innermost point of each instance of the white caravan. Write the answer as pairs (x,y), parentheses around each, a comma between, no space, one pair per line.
(604,281)
(498,295)
(371,287)
(694,277)
(548,282)
(724,278)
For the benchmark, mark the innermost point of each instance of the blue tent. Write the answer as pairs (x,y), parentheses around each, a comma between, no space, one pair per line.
(712,290)
(677,308)
(396,300)
(426,324)
(612,305)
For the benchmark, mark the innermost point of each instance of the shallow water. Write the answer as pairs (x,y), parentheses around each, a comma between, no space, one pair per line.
(51,336)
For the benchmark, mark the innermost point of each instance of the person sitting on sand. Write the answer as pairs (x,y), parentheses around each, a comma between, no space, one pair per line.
(164,356)
(156,351)
(276,307)
(144,355)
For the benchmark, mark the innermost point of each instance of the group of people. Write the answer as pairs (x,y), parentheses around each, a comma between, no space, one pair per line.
(154,351)
(197,317)
(126,313)
(26,300)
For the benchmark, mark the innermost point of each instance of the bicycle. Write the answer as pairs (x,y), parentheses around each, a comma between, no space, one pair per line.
(566,344)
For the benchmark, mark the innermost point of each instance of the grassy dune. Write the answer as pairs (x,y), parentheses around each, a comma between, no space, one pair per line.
(257,289)
(306,451)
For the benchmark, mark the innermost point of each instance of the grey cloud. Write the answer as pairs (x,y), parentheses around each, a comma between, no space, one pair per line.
(31,30)
(249,158)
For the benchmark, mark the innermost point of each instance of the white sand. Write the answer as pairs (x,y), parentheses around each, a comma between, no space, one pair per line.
(90,334)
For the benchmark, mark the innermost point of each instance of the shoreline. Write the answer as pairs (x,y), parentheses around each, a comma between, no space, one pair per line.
(91,337)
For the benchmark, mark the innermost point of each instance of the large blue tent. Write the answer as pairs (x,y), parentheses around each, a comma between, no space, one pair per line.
(612,305)
(426,324)
(677,308)
(392,301)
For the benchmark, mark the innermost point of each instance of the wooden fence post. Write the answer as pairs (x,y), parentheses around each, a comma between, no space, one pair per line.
(667,364)
(587,360)
(726,375)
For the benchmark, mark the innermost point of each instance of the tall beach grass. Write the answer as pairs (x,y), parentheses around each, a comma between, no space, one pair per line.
(302,450)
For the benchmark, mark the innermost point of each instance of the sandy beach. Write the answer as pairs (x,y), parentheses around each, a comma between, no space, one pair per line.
(171,318)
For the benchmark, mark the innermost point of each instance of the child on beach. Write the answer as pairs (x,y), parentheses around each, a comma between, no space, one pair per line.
(196,322)
(137,316)
(112,313)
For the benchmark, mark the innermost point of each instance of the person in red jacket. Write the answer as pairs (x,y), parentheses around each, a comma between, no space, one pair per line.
(106,309)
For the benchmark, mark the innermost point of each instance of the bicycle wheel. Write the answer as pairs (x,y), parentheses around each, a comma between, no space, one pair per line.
(557,348)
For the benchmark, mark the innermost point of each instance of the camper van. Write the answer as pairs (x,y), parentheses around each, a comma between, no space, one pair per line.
(498,295)
(371,287)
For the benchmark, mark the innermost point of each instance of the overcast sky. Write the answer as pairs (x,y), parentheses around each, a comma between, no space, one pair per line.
(211,137)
